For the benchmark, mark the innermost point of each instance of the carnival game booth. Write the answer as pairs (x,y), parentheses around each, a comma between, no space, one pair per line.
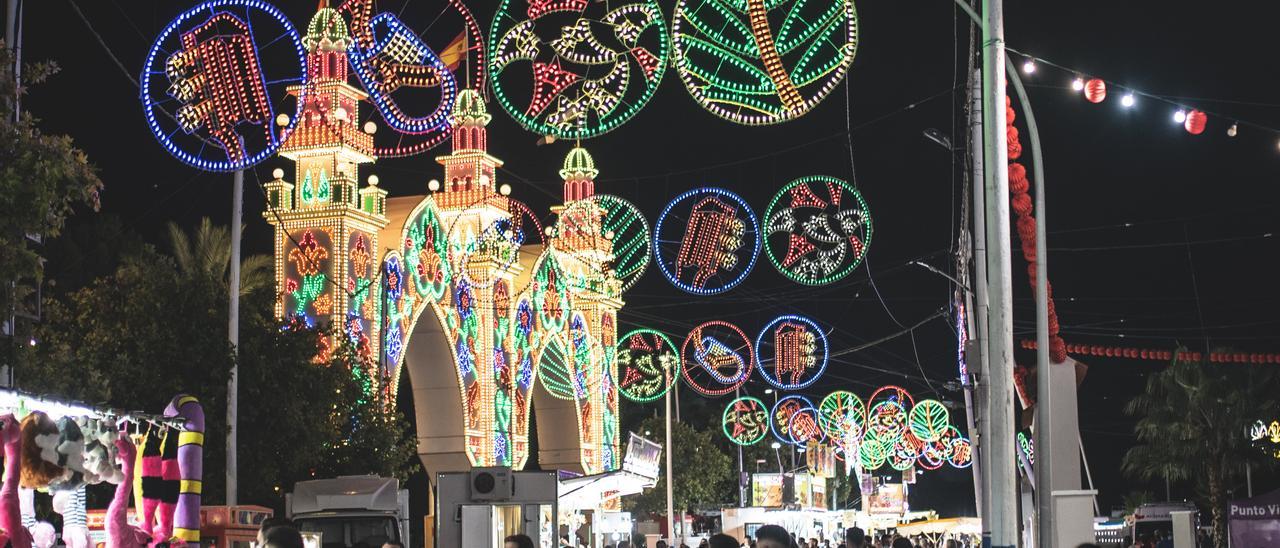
(59,448)
(220,526)
(590,506)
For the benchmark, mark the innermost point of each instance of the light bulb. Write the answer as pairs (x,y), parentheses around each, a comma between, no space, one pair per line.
(1077,84)
(505,189)
(1231,131)
(1127,100)
(373,180)
(433,185)
(776,445)
(370,127)
(1029,67)
(1180,116)
(282,120)
(277,173)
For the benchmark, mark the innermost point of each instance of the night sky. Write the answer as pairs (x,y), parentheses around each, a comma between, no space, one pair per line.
(1156,236)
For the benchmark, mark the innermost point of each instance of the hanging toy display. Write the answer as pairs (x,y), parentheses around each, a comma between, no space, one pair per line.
(758,62)
(648,365)
(223,64)
(792,351)
(746,421)
(190,460)
(716,358)
(12,531)
(817,230)
(120,533)
(40,452)
(706,241)
(576,69)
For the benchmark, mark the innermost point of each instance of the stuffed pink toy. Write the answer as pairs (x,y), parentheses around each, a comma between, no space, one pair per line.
(120,533)
(11,530)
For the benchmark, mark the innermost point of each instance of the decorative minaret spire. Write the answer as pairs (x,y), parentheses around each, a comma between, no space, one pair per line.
(470,172)
(579,175)
(326,42)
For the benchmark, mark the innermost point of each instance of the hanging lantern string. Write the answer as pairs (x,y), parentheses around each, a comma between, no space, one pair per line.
(1108,351)
(13,400)
(1032,62)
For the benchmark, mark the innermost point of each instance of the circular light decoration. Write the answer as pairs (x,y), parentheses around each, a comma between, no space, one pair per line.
(817,230)
(842,416)
(605,231)
(647,365)
(933,455)
(205,87)
(803,427)
(886,421)
(903,452)
(746,421)
(781,414)
(566,367)
(961,453)
(928,420)
(716,358)
(892,393)
(576,68)
(872,453)
(792,351)
(408,75)
(759,62)
(706,241)
(514,234)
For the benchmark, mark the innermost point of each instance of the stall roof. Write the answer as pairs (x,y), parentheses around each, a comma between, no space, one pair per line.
(586,492)
(967,526)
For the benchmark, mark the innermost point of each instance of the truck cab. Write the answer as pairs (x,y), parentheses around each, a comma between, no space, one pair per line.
(350,511)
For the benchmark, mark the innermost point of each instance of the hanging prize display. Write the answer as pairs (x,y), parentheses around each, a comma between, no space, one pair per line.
(576,69)
(215,79)
(608,233)
(746,421)
(792,351)
(706,241)
(783,411)
(817,230)
(567,369)
(758,62)
(842,415)
(648,365)
(716,358)
(928,420)
(411,82)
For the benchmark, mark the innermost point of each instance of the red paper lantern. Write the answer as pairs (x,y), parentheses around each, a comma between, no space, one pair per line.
(1095,90)
(1195,122)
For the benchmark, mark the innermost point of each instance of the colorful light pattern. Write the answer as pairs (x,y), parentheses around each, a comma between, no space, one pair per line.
(591,65)
(706,241)
(928,420)
(609,231)
(213,66)
(783,411)
(802,427)
(817,230)
(746,421)
(648,365)
(500,245)
(841,414)
(758,62)
(792,351)
(716,358)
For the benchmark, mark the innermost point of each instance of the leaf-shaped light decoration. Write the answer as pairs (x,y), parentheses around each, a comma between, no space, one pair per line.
(929,419)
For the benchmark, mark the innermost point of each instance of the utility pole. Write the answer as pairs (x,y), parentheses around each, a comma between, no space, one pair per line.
(671,528)
(977,306)
(13,39)
(233,335)
(998,438)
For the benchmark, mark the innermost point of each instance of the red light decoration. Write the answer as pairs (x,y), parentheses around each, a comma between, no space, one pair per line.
(1195,122)
(1095,90)
(1256,358)
(718,241)
(716,358)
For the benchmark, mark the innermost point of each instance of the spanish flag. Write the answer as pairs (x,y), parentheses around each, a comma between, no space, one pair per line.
(455,53)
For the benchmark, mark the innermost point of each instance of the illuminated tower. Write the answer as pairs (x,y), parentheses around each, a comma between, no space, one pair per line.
(326,236)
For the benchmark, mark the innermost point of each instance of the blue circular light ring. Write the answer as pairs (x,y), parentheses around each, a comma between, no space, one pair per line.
(149,107)
(951,458)
(391,113)
(669,272)
(791,434)
(773,416)
(822,340)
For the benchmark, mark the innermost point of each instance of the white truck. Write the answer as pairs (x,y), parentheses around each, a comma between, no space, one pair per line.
(350,511)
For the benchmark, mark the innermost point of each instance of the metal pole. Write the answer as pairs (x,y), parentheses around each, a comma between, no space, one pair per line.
(978,307)
(13,39)
(1248,479)
(1001,472)
(233,334)
(742,496)
(671,528)
(1084,459)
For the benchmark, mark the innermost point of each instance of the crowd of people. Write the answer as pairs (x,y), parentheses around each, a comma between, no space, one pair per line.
(774,536)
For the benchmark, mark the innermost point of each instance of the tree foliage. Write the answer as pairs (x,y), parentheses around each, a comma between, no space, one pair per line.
(41,178)
(704,475)
(1193,421)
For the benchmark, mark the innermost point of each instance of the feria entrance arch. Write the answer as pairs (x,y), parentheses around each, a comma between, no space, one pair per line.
(449,286)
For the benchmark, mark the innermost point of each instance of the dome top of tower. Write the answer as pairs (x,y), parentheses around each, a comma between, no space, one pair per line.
(326,24)
(579,164)
(470,108)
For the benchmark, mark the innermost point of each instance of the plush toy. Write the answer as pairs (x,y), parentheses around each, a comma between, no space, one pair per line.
(168,490)
(40,452)
(147,500)
(119,533)
(12,533)
(186,519)
(75,529)
(70,451)
(43,535)
(99,452)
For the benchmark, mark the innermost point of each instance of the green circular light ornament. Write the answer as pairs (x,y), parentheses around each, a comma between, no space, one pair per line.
(886,422)
(903,453)
(928,420)
(817,230)
(842,415)
(605,232)
(576,69)
(648,364)
(746,421)
(872,453)
(567,367)
(758,62)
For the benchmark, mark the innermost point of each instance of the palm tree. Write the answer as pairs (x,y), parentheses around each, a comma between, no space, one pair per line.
(1193,421)
(207,254)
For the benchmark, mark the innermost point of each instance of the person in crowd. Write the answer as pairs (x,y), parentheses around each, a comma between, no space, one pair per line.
(624,544)
(722,540)
(902,542)
(268,524)
(773,536)
(854,537)
(392,544)
(517,541)
(662,544)
(282,536)
(1163,540)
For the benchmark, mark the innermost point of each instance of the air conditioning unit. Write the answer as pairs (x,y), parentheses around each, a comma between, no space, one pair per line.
(492,483)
